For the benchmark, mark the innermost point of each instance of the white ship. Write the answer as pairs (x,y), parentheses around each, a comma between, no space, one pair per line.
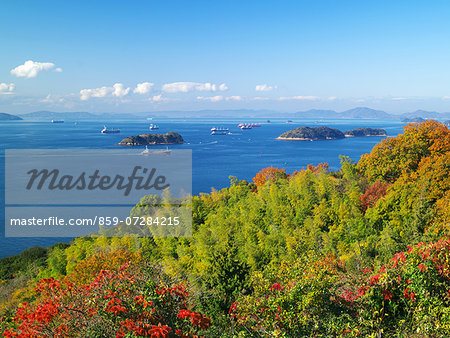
(105,130)
(147,151)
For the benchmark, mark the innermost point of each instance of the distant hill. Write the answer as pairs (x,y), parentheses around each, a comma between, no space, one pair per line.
(355,113)
(424,114)
(413,119)
(365,113)
(9,117)
(318,113)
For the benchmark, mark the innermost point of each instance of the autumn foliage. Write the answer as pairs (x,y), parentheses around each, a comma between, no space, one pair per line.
(122,302)
(376,191)
(269,174)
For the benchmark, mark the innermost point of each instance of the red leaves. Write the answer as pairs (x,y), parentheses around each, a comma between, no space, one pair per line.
(159,331)
(387,295)
(115,306)
(374,279)
(197,319)
(409,295)
(117,301)
(373,194)
(276,286)
(423,267)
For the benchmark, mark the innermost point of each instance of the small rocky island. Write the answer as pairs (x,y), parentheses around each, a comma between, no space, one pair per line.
(361,132)
(152,139)
(326,133)
(311,134)
(9,117)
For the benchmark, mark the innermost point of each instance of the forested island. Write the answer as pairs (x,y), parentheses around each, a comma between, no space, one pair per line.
(311,134)
(9,117)
(363,251)
(152,139)
(326,133)
(363,132)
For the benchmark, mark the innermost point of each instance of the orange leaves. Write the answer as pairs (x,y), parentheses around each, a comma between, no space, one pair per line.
(319,168)
(269,174)
(85,269)
(396,156)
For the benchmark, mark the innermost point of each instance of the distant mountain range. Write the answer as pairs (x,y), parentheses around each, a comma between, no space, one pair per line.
(49,115)
(8,117)
(355,113)
(368,113)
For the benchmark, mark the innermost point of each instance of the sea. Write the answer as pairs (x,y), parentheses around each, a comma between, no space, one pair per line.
(214,157)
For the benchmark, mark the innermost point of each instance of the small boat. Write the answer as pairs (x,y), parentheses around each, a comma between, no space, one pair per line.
(219,130)
(57,121)
(153,127)
(105,130)
(255,125)
(268,121)
(289,121)
(147,151)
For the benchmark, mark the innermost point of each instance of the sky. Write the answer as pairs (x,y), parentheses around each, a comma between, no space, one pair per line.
(143,56)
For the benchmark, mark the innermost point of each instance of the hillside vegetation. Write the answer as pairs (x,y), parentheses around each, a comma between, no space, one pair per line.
(363,251)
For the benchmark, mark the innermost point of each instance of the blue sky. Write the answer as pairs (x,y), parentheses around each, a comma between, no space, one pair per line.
(190,55)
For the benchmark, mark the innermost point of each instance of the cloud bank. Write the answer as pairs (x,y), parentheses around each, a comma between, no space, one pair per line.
(184,87)
(264,88)
(117,90)
(143,88)
(31,69)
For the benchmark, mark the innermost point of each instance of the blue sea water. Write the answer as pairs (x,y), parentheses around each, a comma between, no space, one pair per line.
(214,158)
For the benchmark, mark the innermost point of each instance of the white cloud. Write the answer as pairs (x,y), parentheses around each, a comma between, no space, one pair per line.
(120,90)
(31,69)
(446,97)
(117,90)
(52,99)
(6,88)
(264,88)
(158,98)
(299,97)
(143,88)
(58,70)
(223,87)
(96,92)
(331,98)
(399,98)
(234,98)
(210,98)
(184,87)
(259,98)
